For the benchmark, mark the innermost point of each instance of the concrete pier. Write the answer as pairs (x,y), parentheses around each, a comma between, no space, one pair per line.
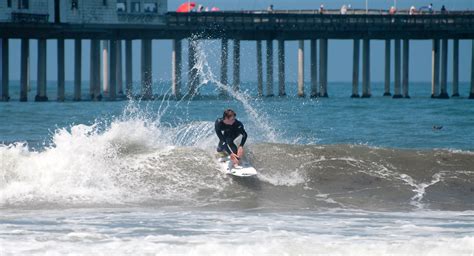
(471,93)
(224,60)
(193,79)
(176,68)
(406,65)
(301,68)
(323,67)
(314,68)
(281,68)
(61,68)
(119,74)
(128,68)
(455,68)
(236,69)
(366,69)
(444,70)
(5,94)
(397,74)
(355,68)
(77,69)
(105,67)
(269,68)
(387,68)
(147,80)
(95,91)
(259,69)
(113,70)
(435,69)
(25,66)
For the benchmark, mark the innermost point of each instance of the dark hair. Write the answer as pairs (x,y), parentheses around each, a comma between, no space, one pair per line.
(228,113)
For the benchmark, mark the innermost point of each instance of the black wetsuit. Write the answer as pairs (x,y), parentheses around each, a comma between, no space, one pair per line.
(227,135)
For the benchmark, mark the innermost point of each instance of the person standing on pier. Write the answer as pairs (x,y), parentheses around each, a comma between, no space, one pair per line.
(228,129)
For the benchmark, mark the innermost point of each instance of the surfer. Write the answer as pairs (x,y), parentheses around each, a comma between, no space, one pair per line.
(228,129)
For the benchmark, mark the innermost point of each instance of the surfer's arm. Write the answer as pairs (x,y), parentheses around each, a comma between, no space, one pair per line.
(217,128)
(244,135)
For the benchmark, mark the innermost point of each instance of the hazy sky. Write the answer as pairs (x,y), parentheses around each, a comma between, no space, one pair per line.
(340,51)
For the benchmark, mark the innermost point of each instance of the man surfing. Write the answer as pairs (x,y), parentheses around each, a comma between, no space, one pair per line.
(228,129)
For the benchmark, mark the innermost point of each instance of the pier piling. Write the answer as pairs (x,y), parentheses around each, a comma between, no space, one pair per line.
(455,68)
(314,68)
(61,68)
(406,65)
(270,68)
(301,68)
(236,69)
(387,68)
(113,70)
(176,68)
(444,70)
(397,85)
(281,67)
(95,91)
(323,67)
(5,94)
(259,69)
(435,69)
(77,69)
(147,79)
(128,68)
(355,69)
(366,69)
(105,67)
(224,60)
(25,66)
(119,75)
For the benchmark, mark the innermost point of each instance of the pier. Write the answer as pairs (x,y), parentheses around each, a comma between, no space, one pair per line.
(311,29)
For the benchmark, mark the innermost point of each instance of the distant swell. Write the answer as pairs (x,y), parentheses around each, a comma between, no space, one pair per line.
(138,162)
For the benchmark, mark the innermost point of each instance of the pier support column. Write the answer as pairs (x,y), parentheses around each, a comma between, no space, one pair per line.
(259,69)
(281,68)
(270,68)
(77,69)
(5,95)
(366,69)
(444,70)
(119,68)
(147,82)
(387,68)
(323,67)
(435,69)
(176,68)
(224,60)
(105,67)
(95,91)
(398,65)
(193,79)
(471,93)
(455,68)
(25,66)
(113,70)
(355,69)
(128,68)
(406,65)
(61,68)
(314,68)
(236,71)
(301,68)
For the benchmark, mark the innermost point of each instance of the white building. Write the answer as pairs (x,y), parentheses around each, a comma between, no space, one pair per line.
(84,11)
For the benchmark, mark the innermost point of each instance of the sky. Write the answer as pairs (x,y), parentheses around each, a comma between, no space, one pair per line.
(339,56)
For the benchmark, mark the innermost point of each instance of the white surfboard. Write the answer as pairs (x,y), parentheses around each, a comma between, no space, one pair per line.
(244,170)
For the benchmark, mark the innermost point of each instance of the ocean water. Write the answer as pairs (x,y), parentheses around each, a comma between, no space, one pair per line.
(337,176)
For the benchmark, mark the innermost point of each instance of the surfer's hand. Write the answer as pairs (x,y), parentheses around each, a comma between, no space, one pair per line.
(240,152)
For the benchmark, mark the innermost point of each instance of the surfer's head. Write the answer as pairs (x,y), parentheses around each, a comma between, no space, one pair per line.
(229,116)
